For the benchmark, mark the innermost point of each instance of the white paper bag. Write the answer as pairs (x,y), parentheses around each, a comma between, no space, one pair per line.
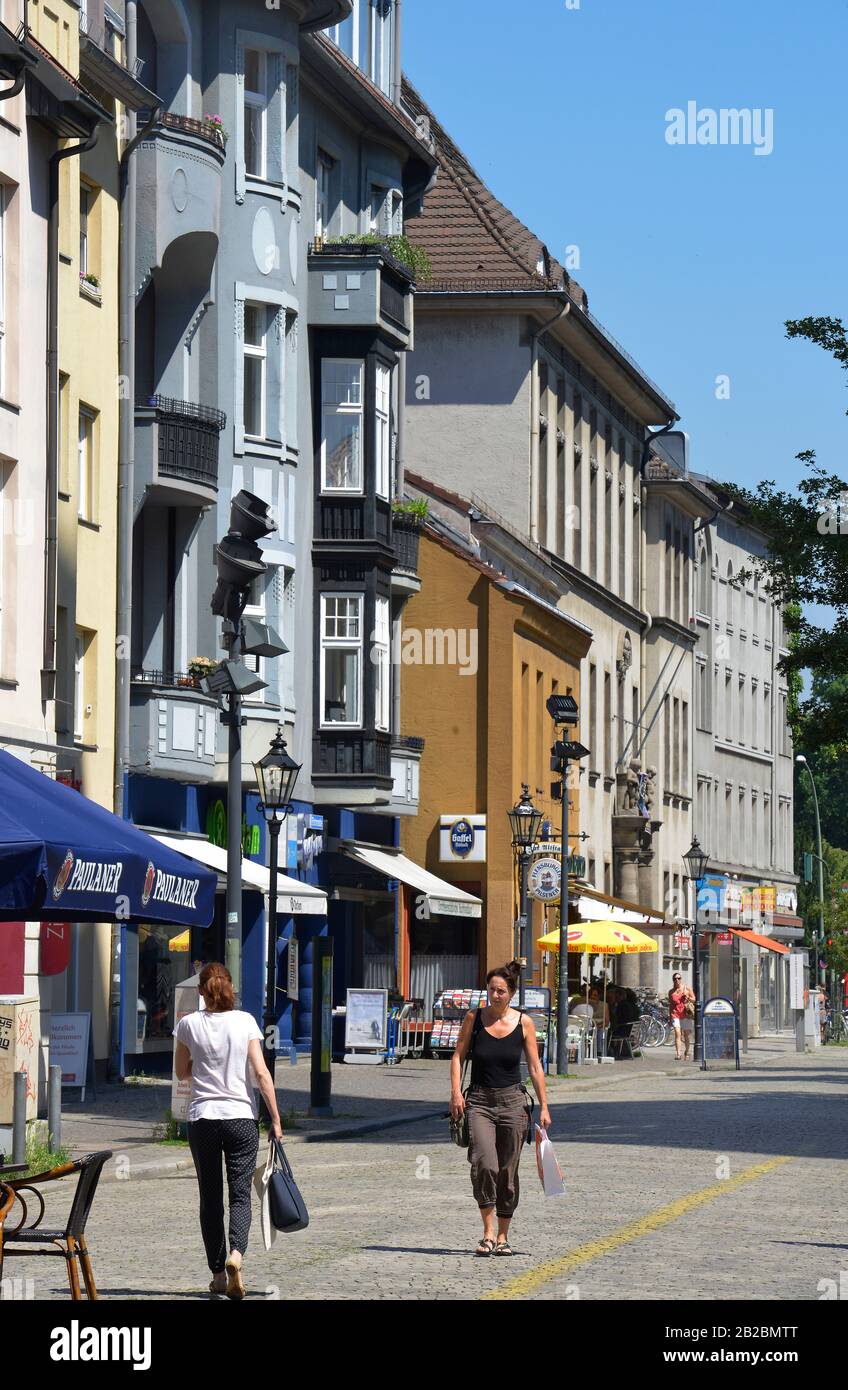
(550,1173)
(261,1178)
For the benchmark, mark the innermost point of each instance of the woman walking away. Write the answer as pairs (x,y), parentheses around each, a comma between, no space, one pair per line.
(219,1047)
(679,997)
(498,1037)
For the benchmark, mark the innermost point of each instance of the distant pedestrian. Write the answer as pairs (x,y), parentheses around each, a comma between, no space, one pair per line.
(218,1047)
(681,1009)
(497,1102)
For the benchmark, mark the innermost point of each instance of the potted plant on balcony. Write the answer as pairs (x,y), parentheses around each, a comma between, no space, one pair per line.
(216,125)
(412,258)
(198,667)
(408,517)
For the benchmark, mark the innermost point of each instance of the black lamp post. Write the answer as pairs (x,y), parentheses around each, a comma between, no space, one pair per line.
(696,861)
(525,823)
(276,775)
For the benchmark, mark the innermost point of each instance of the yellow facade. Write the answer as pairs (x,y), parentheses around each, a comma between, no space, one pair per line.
(488,732)
(88,471)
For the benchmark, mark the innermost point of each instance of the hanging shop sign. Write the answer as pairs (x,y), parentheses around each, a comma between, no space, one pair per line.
(292,985)
(683,939)
(462,839)
(54,947)
(544,879)
(216,830)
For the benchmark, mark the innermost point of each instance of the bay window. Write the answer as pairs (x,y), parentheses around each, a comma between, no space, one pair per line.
(341,425)
(380,656)
(382,430)
(341,659)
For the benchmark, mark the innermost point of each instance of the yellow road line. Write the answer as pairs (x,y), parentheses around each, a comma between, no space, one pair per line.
(528,1283)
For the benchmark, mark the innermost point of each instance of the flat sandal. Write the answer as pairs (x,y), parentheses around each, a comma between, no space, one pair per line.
(485,1247)
(503,1247)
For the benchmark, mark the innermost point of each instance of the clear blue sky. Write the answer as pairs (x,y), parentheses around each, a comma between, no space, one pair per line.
(692,256)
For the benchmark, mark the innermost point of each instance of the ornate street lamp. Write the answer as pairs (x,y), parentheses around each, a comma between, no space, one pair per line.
(276,775)
(525,822)
(696,860)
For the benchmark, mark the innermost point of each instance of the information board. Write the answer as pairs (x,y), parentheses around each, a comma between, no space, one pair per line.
(70,1047)
(719,1032)
(365,1018)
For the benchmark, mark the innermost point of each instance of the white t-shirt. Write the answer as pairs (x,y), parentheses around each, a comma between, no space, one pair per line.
(222,1079)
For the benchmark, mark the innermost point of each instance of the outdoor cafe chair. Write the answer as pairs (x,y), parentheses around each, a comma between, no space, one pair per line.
(632,1039)
(581,1029)
(70,1243)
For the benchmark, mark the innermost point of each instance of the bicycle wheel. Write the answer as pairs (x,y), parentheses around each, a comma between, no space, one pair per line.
(652,1032)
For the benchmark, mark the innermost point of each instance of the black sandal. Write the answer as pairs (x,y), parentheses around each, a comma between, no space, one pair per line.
(503,1247)
(485,1247)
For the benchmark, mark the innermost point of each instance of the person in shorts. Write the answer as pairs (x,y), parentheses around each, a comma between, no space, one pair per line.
(678,997)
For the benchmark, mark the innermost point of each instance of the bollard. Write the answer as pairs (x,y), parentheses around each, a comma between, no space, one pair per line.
(19,1108)
(54,1108)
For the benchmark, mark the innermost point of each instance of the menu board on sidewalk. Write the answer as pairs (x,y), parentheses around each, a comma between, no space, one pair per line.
(720,1032)
(69,1047)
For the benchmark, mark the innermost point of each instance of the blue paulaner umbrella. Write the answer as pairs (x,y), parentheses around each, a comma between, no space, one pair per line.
(64,858)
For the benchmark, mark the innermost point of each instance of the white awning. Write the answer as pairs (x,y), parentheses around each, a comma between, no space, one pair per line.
(293,897)
(597,910)
(443,899)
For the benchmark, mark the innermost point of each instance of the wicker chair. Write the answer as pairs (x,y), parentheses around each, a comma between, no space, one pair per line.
(70,1243)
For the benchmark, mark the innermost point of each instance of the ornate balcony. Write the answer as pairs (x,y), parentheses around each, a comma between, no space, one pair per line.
(179,200)
(356,760)
(355,285)
(406,539)
(177,445)
(173,727)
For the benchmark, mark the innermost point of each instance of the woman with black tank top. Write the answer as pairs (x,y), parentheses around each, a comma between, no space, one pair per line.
(498,1037)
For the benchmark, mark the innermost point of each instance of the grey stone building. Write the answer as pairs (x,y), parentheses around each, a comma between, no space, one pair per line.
(269,352)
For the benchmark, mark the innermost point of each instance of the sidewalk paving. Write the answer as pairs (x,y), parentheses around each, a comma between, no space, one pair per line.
(124,1117)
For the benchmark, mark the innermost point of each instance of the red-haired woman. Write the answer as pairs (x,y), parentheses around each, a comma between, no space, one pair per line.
(218,1047)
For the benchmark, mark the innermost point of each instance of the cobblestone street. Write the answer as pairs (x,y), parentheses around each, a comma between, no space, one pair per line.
(679,1185)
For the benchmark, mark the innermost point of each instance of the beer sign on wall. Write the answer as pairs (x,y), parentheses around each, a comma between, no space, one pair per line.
(462,839)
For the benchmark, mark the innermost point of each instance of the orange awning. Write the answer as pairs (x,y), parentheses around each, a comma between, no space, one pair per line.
(766,941)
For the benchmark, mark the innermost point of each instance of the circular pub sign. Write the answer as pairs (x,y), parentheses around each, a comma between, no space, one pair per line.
(543,879)
(461,838)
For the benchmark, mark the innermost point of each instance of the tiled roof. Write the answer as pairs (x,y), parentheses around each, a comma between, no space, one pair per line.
(474,242)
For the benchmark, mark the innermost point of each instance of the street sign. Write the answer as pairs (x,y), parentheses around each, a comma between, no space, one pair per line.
(719,1033)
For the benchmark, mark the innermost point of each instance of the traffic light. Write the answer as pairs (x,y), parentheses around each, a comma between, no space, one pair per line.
(238,557)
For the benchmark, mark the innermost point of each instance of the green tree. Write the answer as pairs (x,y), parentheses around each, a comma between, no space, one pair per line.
(806,565)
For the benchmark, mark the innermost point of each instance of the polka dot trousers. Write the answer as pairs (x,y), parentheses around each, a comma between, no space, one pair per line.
(237,1142)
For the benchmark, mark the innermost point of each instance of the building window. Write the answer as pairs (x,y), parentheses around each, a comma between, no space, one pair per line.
(767,718)
(85,209)
(703,582)
(85,466)
(80,645)
(2,288)
(382,666)
(341,425)
(382,44)
(383,431)
(577,476)
(255,111)
(385,210)
(255,369)
(324,193)
(341,659)
(257,607)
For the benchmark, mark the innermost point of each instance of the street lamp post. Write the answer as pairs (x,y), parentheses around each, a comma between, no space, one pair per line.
(820,970)
(564,712)
(276,775)
(525,822)
(696,861)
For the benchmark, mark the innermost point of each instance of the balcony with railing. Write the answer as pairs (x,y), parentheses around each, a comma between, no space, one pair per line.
(176,453)
(179,198)
(406,540)
(356,760)
(173,727)
(360,285)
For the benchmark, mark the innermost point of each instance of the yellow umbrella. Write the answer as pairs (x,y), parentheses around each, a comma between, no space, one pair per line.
(181,942)
(608,938)
(601,939)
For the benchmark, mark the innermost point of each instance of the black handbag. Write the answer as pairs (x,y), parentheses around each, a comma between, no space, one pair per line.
(285,1203)
(459,1132)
